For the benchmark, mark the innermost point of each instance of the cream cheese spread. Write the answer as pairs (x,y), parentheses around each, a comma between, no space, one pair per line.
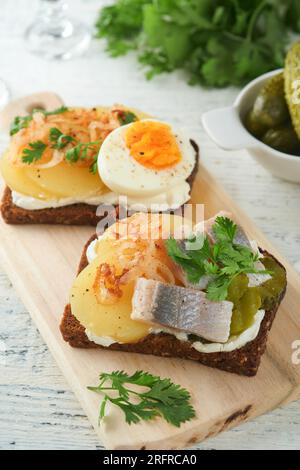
(234,342)
(171,199)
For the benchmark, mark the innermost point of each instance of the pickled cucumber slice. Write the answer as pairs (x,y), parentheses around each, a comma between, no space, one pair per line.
(246,303)
(245,310)
(272,289)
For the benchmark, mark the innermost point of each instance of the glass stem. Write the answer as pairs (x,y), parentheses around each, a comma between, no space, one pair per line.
(53,13)
(53,35)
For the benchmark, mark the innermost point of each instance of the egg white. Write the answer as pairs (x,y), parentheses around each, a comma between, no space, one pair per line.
(124,175)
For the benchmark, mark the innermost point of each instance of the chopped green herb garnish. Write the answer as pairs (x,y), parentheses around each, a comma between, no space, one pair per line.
(163,398)
(34,152)
(126,117)
(80,152)
(94,165)
(60,110)
(224,229)
(222,261)
(58,139)
(21,122)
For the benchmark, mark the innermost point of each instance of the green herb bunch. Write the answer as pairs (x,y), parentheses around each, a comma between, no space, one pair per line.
(217,42)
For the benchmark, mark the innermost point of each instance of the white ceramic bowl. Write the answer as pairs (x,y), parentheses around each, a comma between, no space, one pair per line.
(225,127)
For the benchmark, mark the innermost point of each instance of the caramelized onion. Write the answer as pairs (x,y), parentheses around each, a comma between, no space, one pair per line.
(83,125)
(57,157)
(136,258)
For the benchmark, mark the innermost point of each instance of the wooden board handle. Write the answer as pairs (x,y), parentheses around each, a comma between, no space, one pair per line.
(22,106)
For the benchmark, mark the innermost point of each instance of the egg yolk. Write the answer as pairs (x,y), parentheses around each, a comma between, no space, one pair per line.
(152,144)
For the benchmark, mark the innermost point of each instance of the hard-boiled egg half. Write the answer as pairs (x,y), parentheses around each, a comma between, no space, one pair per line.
(147,158)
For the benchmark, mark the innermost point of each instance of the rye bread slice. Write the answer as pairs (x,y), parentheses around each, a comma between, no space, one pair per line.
(74,214)
(243,361)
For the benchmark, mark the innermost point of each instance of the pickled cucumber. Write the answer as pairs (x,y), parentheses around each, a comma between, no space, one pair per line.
(254,126)
(292,84)
(247,300)
(270,108)
(283,139)
(271,290)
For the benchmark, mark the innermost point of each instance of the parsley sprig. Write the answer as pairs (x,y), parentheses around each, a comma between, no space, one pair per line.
(80,152)
(21,122)
(163,397)
(222,261)
(34,152)
(59,139)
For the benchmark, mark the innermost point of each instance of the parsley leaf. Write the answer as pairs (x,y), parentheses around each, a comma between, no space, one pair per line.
(221,262)
(163,397)
(94,165)
(80,152)
(217,289)
(34,152)
(60,110)
(224,229)
(21,122)
(58,139)
(126,117)
(175,250)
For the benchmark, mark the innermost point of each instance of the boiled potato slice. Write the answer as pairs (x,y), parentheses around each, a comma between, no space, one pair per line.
(63,180)
(67,180)
(17,180)
(111,320)
(150,225)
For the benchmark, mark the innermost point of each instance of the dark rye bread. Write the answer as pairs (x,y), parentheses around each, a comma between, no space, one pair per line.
(74,214)
(243,361)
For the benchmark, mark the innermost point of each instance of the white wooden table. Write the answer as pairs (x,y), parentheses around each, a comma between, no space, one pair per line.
(37,408)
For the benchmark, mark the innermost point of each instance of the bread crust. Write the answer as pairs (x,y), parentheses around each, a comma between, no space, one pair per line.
(242,361)
(74,214)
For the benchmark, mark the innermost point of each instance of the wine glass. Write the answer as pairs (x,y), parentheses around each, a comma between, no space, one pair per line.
(53,35)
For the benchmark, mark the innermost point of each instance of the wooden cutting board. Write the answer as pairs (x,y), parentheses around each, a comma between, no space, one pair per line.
(41,262)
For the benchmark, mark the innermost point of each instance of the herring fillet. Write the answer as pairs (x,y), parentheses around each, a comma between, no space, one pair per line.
(181,308)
